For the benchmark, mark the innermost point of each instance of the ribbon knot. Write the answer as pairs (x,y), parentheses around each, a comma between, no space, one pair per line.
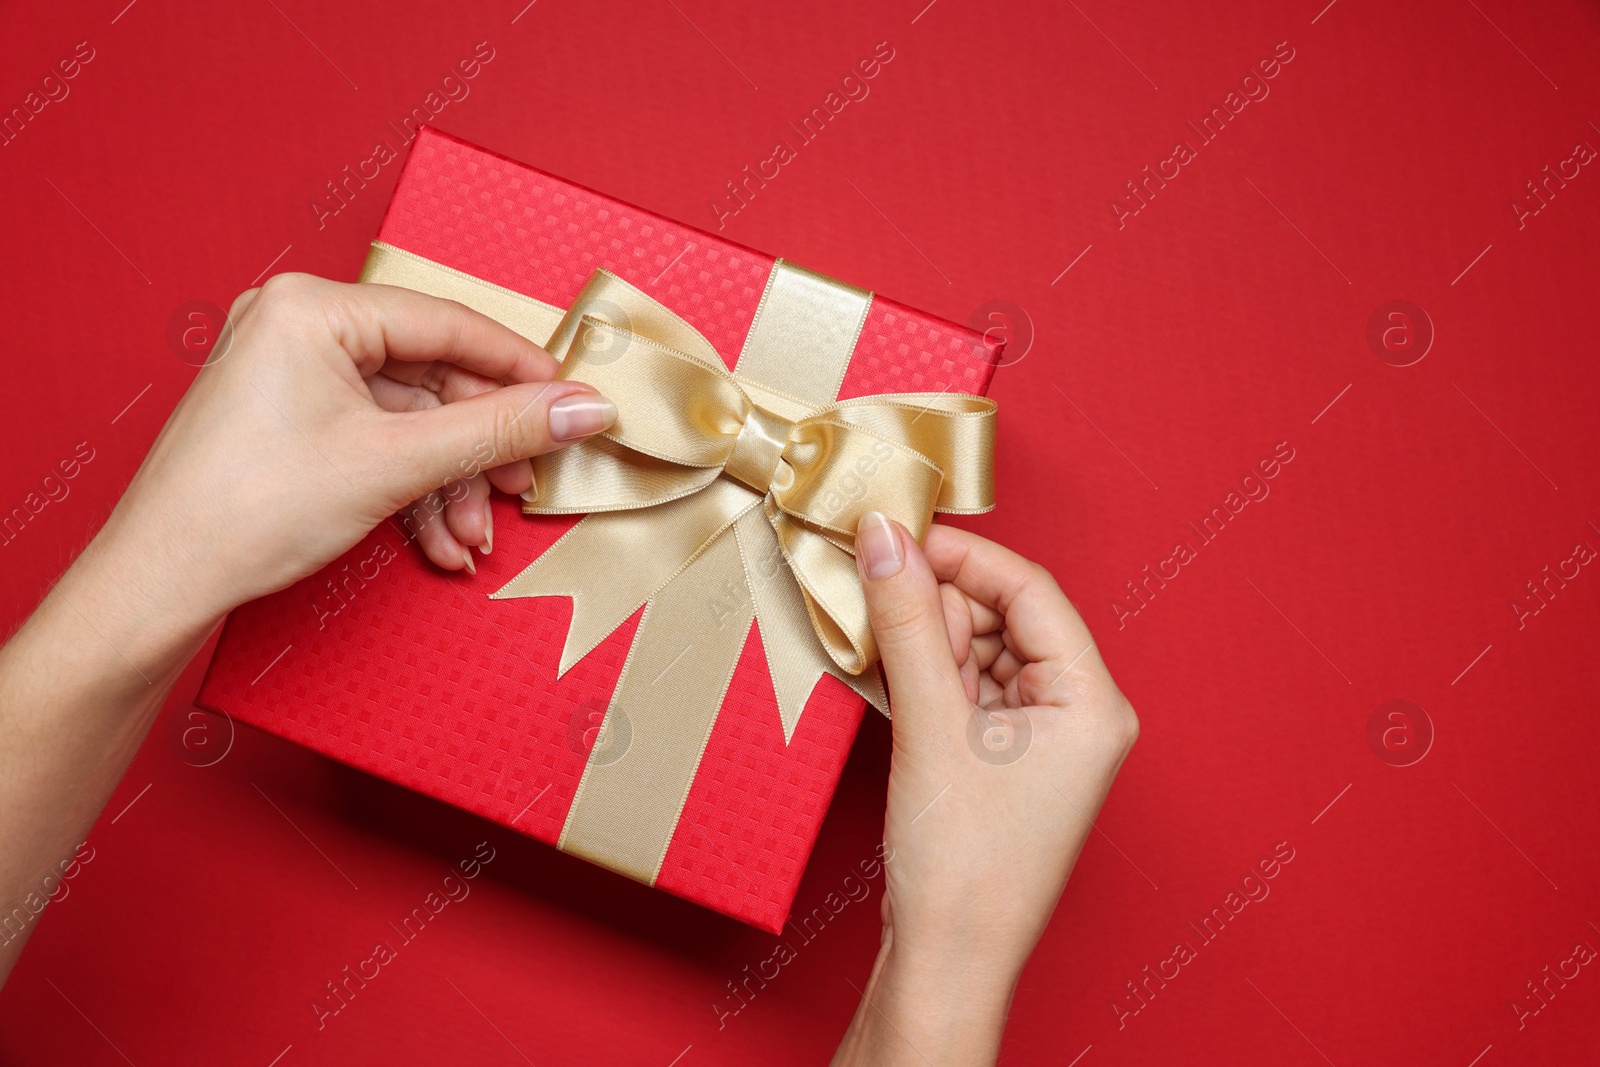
(758,450)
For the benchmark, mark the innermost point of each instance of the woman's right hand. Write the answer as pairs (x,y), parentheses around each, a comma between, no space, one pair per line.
(1008,731)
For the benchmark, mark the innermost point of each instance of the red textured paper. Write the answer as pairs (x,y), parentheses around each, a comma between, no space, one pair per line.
(415,675)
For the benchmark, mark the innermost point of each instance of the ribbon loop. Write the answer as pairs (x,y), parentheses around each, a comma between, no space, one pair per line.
(952,430)
(670,404)
(842,472)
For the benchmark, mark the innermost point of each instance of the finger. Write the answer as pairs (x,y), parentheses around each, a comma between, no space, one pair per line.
(985,620)
(1013,693)
(464,510)
(444,380)
(514,478)
(1041,623)
(971,679)
(488,524)
(425,519)
(957,621)
(509,424)
(392,394)
(908,620)
(958,624)
(1007,666)
(986,649)
(236,311)
(420,386)
(241,303)
(991,694)
(375,323)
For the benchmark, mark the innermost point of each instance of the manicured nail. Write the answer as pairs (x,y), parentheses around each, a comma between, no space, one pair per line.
(466,558)
(488,528)
(878,547)
(581,415)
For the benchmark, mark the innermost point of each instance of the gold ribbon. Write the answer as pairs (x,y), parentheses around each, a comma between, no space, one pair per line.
(717,501)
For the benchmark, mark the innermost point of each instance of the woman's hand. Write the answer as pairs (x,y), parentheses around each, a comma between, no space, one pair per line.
(1008,731)
(331,408)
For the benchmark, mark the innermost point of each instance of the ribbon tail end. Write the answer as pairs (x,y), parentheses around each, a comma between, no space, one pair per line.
(569,659)
(869,684)
(793,691)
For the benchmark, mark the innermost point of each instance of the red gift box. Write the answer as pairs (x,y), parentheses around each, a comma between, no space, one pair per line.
(414,674)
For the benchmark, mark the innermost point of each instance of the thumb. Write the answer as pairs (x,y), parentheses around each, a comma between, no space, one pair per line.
(907,617)
(515,422)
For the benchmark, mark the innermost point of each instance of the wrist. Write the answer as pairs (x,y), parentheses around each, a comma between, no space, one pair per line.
(138,600)
(929,1004)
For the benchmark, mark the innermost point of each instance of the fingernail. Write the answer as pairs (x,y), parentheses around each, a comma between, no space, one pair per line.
(581,415)
(488,528)
(530,495)
(466,558)
(878,547)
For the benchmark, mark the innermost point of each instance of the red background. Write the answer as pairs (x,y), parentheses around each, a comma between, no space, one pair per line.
(1221,320)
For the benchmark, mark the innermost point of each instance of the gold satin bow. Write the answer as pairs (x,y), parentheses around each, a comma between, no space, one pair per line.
(719,502)
(686,425)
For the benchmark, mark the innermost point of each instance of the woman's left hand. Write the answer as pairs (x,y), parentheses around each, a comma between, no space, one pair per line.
(331,408)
